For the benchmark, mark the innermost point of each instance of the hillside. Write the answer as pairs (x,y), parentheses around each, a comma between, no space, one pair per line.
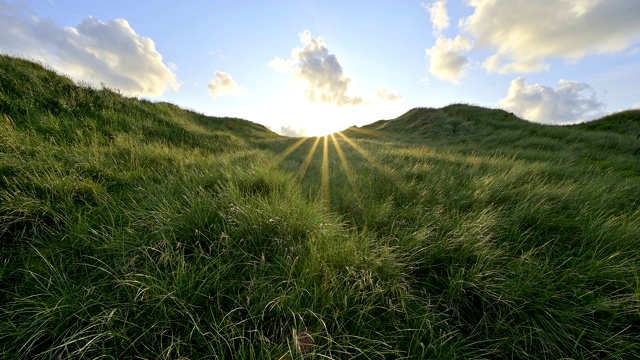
(133,229)
(461,122)
(623,122)
(38,99)
(450,121)
(610,142)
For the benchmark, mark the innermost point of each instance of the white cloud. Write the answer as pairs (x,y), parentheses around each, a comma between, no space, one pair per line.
(386,94)
(439,16)
(223,84)
(446,59)
(525,33)
(110,53)
(570,102)
(319,70)
(636,106)
(281,65)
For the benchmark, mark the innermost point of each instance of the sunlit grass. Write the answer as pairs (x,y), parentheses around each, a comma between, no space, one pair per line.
(325,167)
(305,165)
(351,176)
(365,154)
(326,191)
(291,149)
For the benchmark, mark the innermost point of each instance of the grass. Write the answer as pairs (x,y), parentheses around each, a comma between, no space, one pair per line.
(133,229)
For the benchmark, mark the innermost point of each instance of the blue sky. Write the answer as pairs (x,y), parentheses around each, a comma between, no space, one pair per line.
(314,67)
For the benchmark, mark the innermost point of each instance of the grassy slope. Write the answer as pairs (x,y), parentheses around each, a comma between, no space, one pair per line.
(134,229)
(623,122)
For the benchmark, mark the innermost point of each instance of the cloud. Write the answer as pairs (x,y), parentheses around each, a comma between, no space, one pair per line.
(439,16)
(526,33)
(386,94)
(223,84)
(292,131)
(446,59)
(110,53)
(281,65)
(319,70)
(570,102)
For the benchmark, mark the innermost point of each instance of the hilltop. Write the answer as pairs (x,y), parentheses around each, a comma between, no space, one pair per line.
(134,229)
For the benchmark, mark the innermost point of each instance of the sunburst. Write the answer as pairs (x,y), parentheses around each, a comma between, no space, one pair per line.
(325,175)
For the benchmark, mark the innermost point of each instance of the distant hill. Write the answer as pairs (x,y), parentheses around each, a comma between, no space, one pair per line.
(612,142)
(451,121)
(45,102)
(460,120)
(495,128)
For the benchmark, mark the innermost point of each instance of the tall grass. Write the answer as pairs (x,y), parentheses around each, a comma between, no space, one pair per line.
(133,229)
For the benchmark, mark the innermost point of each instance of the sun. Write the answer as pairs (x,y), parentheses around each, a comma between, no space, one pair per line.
(293,115)
(303,118)
(318,129)
(319,119)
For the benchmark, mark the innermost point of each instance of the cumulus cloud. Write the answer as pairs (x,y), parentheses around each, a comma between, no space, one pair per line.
(110,53)
(570,102)
(526,33)
(223,84)
(446,59)
(439,15)
(386,94)
(319,70)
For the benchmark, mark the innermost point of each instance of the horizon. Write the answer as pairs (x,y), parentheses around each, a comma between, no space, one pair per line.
(305,68)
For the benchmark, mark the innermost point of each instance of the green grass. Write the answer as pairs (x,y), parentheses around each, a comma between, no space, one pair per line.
(623,122)
(133,229)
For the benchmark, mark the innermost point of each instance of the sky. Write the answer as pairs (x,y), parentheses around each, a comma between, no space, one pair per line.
(312,67)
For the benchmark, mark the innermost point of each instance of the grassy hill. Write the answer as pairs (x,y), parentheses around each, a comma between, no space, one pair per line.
(623,122)
(38,99)
(133,229)
(608,143)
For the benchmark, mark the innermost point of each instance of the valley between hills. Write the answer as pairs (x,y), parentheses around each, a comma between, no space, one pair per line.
(136,229)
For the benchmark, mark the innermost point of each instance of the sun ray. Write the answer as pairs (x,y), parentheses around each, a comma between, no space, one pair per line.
(290,149)
(307,161)
(350,175)
(366,155)
(326,195)
(345,162)
(387,171)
